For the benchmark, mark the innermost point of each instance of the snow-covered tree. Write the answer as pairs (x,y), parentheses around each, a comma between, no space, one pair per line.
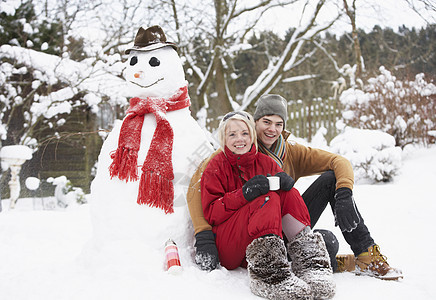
(41,82)
(222,38)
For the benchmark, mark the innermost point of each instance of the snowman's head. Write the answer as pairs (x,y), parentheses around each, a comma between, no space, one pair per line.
(157,73)
(153,68)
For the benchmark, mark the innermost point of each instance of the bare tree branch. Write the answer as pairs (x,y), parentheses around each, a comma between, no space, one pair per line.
(429,6)
(272,75)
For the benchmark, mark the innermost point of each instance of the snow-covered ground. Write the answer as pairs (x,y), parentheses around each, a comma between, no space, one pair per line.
(46,254)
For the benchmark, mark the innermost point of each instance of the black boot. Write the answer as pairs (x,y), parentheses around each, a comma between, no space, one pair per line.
(332,245)
(270,273)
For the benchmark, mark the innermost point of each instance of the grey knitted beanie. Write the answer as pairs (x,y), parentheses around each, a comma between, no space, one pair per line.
(271,105)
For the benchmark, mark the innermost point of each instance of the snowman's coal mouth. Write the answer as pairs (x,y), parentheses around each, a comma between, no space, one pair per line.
(147,86)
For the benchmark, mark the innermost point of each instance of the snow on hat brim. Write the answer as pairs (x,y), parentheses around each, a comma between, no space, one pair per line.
(268,105)
(150,39)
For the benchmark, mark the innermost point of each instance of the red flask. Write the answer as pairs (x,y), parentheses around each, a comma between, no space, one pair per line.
(172,259)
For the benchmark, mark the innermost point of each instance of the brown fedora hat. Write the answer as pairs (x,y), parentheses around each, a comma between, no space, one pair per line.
(149,39)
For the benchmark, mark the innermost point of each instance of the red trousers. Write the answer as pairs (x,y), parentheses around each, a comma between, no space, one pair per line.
(259,217)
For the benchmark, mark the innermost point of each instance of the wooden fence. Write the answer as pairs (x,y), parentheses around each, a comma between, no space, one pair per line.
(305,118)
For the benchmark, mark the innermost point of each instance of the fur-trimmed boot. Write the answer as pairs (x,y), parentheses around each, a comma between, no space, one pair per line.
(270,273)
(311,262)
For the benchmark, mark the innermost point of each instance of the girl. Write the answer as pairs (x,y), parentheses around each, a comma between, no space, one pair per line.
(248,219)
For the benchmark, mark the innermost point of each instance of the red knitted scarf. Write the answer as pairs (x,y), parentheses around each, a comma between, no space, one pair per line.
(156,186)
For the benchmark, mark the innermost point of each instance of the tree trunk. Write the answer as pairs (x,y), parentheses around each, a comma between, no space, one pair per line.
(352,15)
(219,105)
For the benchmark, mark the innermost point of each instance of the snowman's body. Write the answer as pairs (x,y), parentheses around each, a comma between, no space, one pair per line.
(115,212)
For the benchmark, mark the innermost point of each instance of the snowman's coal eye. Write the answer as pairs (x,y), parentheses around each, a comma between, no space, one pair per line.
(154,62)
(133,61)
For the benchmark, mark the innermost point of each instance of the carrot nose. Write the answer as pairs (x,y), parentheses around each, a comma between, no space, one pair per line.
(136,75)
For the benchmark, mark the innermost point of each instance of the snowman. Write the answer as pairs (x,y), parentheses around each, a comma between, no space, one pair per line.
(145,164)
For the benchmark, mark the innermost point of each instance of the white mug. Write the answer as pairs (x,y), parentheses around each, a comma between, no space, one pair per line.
(274,183)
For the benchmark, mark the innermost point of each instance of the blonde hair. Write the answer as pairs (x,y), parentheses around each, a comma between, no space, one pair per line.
(236,115)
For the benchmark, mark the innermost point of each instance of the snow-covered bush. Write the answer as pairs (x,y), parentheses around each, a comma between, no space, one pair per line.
(372,153)
(319,139)
(67,195)
(404,109)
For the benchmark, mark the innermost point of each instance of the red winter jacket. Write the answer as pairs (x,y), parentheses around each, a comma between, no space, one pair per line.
(236,221)
(222,181)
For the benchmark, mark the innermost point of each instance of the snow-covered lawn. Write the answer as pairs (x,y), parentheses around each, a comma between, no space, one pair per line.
(47,255)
